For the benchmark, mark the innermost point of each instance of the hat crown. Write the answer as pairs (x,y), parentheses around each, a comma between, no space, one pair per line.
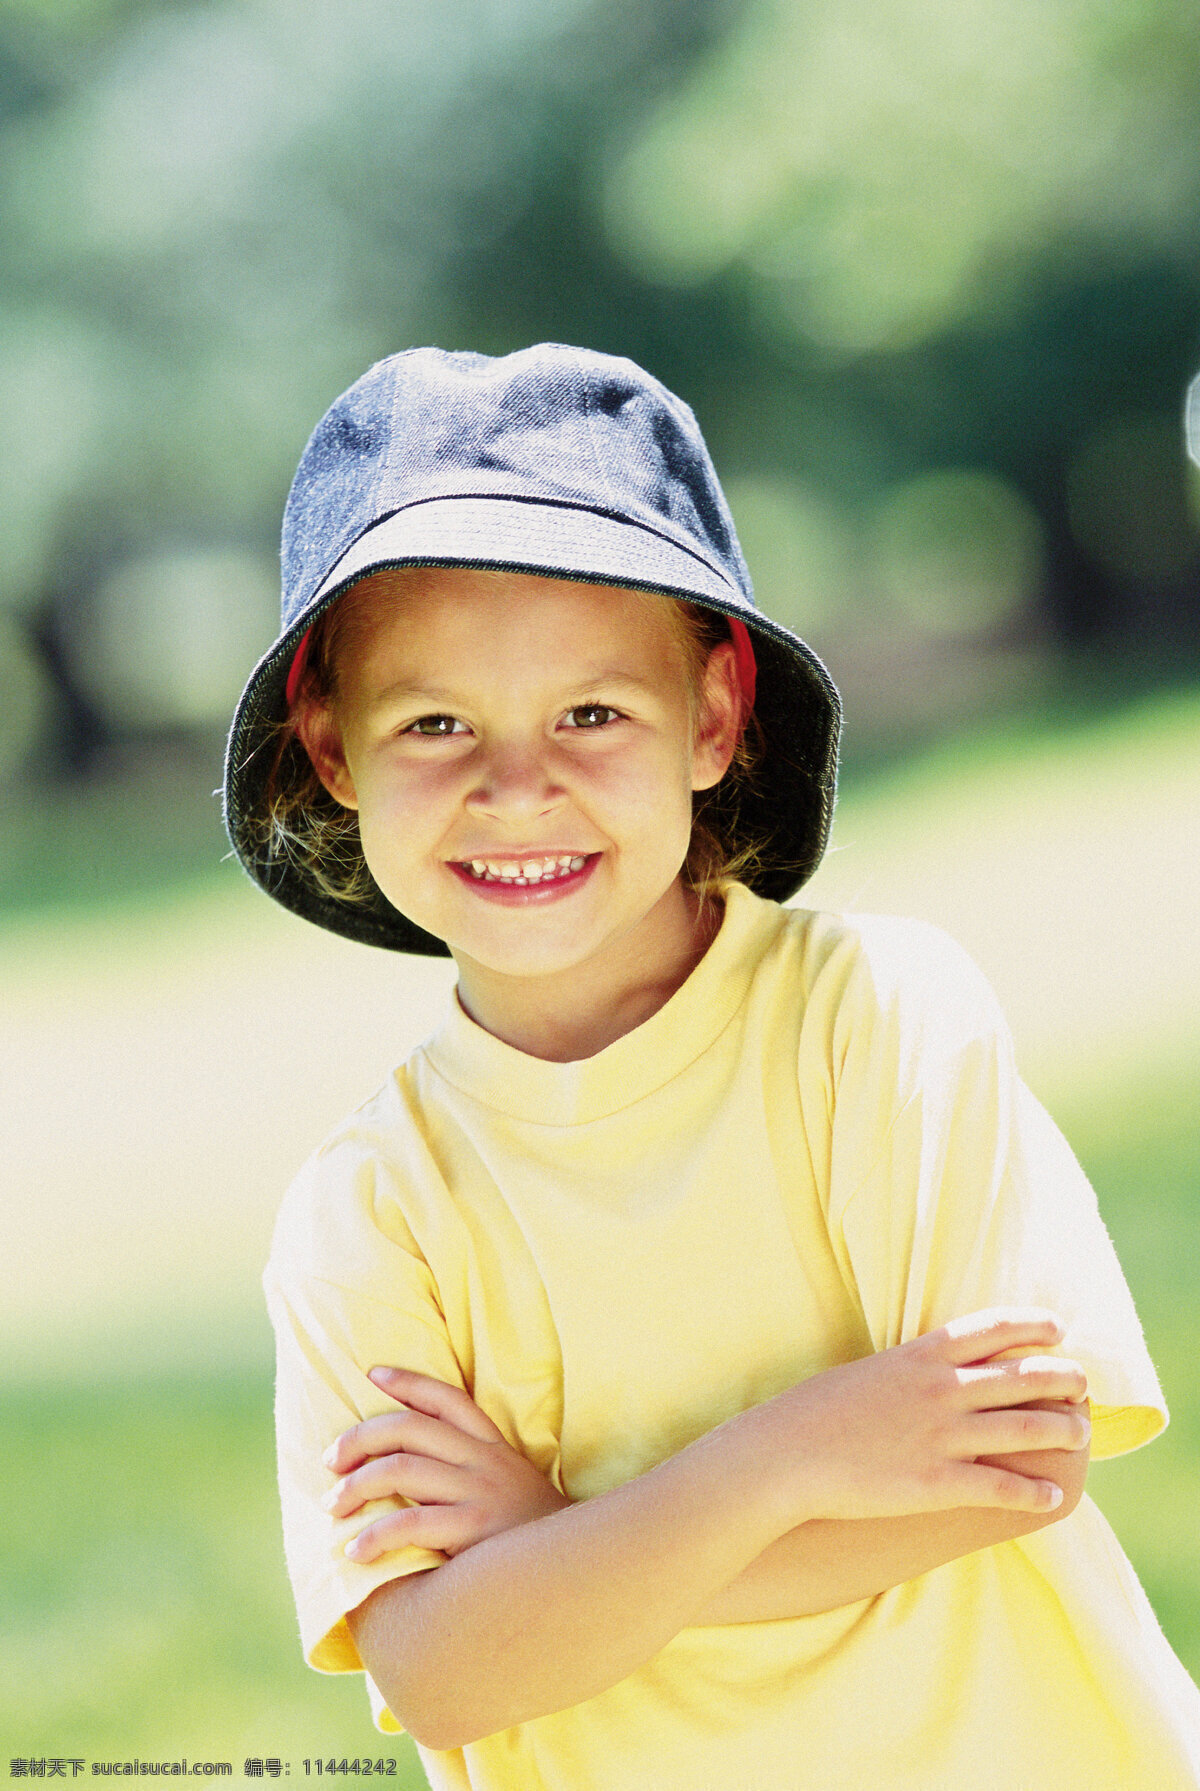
(548,425)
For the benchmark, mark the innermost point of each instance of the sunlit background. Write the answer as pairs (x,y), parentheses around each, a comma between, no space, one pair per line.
(929,273)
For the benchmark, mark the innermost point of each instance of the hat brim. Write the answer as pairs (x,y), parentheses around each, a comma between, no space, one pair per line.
(790,802)
(561,540)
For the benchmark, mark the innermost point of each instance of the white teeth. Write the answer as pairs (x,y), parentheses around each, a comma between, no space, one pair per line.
(531,870)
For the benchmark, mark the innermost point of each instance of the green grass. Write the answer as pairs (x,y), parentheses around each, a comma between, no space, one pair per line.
(132,832)
(1141,1147)
(149,1611)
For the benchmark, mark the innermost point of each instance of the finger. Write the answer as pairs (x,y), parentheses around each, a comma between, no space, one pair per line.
(1016,1380)
(392,1432)
(1026,1428)
(398,1476)
(438,1399)
(1006,1491)
(444,1527)
(981,1335)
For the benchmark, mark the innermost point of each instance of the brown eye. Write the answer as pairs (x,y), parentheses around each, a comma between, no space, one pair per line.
(591,715)
(433,727)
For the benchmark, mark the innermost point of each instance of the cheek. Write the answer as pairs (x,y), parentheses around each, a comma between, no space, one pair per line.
(398,806)
(648,792)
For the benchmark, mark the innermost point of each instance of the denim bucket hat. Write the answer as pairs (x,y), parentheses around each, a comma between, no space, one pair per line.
(557,461)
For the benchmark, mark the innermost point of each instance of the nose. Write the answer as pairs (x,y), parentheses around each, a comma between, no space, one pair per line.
(514,783)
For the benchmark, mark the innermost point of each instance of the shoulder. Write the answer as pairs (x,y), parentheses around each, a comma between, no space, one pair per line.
(879,964)
(885,1001)
(347,1204)
(909,964)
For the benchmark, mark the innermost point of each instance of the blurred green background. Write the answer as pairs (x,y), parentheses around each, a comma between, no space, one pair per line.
(928,271)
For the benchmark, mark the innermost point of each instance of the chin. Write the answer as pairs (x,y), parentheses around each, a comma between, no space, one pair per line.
(523,958)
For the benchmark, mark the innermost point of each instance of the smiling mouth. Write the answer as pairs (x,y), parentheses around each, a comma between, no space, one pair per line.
(522,873)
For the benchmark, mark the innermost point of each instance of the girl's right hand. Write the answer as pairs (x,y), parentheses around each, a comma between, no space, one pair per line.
(902,1431)
(442,1452)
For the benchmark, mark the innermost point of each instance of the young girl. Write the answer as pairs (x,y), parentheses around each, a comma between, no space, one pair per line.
(687,1362)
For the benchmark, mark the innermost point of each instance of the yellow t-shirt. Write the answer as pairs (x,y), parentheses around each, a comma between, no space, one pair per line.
(819,1147)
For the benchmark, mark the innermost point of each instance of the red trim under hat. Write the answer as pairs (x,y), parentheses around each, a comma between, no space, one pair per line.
(747,665)
(296,669)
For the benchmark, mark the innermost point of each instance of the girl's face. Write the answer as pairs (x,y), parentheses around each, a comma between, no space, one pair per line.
(522,753)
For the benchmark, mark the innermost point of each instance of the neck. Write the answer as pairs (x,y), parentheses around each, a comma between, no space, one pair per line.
(578,1012)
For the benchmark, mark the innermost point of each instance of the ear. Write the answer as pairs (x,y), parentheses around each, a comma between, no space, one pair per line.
(321,739)
(719,723)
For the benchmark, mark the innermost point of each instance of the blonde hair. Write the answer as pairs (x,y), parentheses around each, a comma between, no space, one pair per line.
(301,825)
(721,850)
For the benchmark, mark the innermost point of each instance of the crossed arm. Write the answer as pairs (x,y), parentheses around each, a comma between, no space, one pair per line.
(843,1486)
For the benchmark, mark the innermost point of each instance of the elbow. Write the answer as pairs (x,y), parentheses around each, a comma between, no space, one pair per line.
(1074,1481)
(387,1629)
(432,1736)
(425,1727)
(430,1722)
(1071,1469)
(437,1718)
(441,1714)
(441,1731)
(1067,1468)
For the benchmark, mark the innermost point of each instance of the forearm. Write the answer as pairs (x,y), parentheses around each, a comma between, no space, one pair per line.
(822,1565)
(550,1612)
(559,1609)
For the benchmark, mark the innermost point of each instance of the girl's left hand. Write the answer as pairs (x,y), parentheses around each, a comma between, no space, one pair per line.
(445,1454)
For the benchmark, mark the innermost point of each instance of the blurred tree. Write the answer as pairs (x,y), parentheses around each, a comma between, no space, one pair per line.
(967,232)
(215,216)
(883,171)
(874,242)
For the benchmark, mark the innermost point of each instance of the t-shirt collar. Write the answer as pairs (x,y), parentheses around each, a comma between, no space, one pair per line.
(633,1066)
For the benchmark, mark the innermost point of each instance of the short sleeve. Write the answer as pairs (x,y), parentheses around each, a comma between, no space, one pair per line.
(953,1189)
(347,1289)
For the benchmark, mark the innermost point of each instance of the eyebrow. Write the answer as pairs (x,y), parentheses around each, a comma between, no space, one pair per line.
(610,677)
(589,681)
(419,693)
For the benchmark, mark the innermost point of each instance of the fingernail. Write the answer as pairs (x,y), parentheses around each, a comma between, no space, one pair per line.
(352,1547)
(330,1455)
(1056,1497)
(378,1375)
(331,1499)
